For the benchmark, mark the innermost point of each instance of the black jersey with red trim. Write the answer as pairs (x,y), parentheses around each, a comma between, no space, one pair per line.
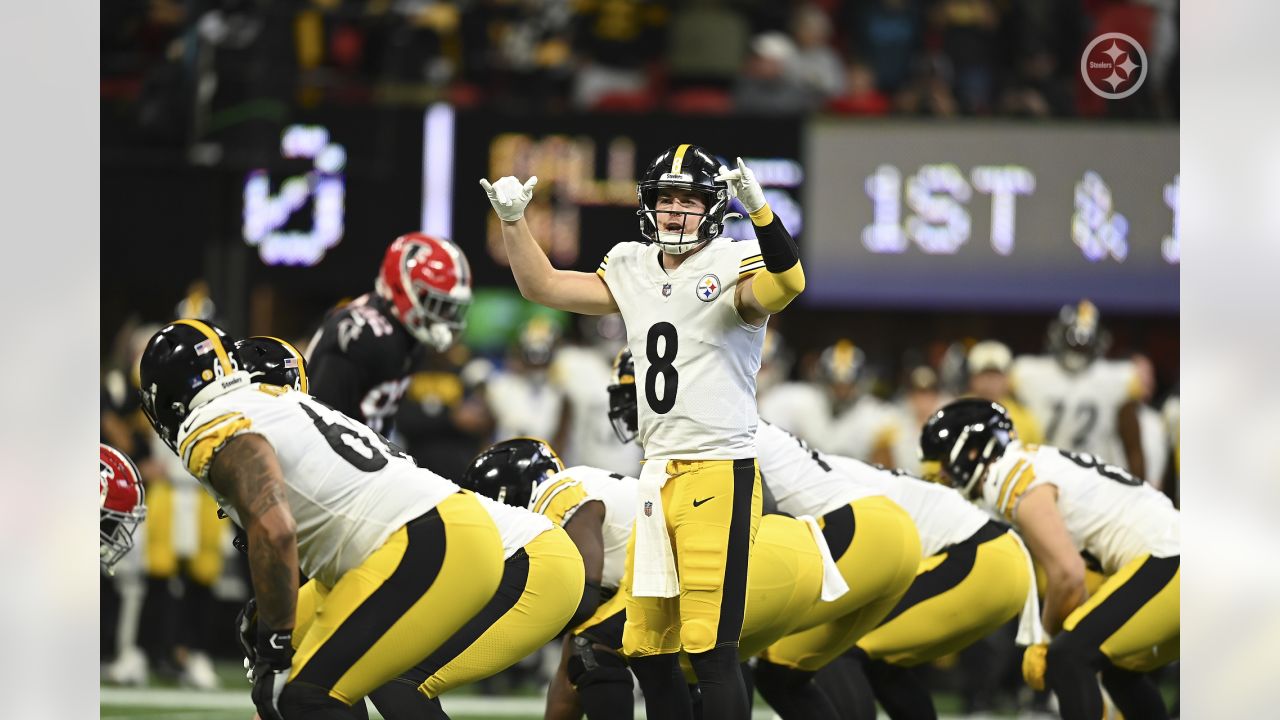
(359,361)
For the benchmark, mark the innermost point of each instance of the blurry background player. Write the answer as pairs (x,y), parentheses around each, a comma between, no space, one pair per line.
(1083,402)
(833,412)
(1071,507)
(919,398)
(522,397)
(988,364)
(361,356)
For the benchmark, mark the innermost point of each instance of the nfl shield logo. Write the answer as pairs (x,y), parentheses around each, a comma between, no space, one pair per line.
(666,290)
(648,508)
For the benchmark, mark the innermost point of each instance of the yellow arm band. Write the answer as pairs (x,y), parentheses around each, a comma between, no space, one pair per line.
(774,291)
(763,216)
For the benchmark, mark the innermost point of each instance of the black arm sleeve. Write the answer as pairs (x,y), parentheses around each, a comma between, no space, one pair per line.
(777,246)
(335,380)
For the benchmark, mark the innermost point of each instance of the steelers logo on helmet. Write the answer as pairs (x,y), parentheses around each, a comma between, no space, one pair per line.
(1076,337)
(186,364)
(273,361)
(509,471)
(624,411)
(687,168)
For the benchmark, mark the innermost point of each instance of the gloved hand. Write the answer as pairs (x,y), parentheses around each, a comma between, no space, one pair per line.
(509,197)
(1034,664)
(270,671)
(743,185)
(247,633)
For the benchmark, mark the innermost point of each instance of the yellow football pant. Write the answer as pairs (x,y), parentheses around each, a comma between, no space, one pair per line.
(1134,616)
(877,550)
(960,595)
(402,603)
(712,509)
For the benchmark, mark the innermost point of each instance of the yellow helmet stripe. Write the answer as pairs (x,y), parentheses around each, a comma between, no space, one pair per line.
(302,364)
(217,342)
(678,161)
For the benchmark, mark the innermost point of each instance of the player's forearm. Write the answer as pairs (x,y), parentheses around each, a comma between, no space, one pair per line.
(273,566)
(1063,596)
(783,277)
(529,264)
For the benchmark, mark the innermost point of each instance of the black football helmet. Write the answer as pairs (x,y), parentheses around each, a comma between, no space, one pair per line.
(624,411)
(685,167)
(962,439)
(186,364)
(1076,338)
(508,471)
(273,361)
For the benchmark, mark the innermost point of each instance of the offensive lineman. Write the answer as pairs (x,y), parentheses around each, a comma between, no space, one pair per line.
(405,556)
(696,304)
(1067,505)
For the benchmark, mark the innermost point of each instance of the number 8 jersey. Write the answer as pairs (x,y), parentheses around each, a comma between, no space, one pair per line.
(1110,514)
(696,358)
(347,489)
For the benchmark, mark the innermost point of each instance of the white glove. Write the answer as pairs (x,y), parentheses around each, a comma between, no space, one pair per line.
(509,197)
(743,185)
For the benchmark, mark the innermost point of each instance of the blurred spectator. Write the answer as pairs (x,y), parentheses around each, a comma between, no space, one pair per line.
(614,41)
(859,95)
(989,363)
(816,64)
(768,84)
(921,397)
(706,43)
(968,31)
(929,92)
(888,35)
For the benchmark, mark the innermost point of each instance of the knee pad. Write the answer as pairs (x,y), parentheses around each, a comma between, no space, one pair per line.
(698,633)
(588,666)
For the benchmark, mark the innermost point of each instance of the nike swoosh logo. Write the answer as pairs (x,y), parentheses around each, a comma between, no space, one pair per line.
(696,503)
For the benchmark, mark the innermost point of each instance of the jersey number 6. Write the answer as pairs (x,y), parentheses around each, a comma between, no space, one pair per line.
(663,365)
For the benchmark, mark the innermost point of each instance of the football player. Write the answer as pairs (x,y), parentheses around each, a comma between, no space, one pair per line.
(597,508)
(361,356)
(987,364)
(123,506)
(533,603)
(1070,506)
(975,576)
(832,414)
(405,557)
(1082,401)
(877,563)
(695,305)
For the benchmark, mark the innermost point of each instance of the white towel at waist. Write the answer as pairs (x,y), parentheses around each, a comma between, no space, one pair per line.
(1030,631)
(833,584)
(654,563)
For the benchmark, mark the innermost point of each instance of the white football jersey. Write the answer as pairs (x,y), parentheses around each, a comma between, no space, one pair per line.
(1077,411)
(696,359)
(583,374)
(517,526)
(1110,514)
(347,489)
(942,516)
(802,479)
(559,497)
(524,405)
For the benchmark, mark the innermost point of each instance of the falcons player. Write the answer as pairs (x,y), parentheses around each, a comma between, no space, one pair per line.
(359,360)
(123,505)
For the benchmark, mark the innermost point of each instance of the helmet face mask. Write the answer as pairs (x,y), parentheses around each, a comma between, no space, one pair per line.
(186,364)
(686,168)
(961,441)
(624,409)
(123,506)
(509,471)
(427,282)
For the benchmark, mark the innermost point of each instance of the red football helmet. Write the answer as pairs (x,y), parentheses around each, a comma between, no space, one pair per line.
(427,280)
(123,505)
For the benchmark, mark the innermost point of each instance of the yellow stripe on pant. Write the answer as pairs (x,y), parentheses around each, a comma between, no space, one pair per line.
(712,509)
(402,602)
(879,565)
(1147,639)
(989,595)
